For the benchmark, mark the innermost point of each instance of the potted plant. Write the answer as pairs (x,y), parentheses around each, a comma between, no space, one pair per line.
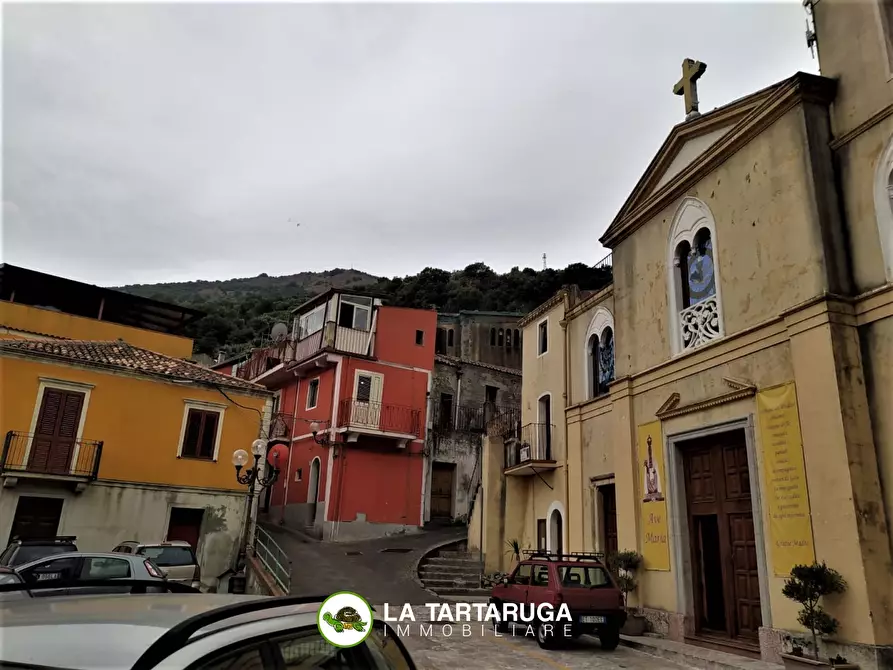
(623,566)
(807,585)
(514,550)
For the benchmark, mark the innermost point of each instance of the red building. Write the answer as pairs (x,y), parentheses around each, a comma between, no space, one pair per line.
(351,384)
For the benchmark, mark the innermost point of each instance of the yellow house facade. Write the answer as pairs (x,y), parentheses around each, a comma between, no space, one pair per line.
(727,409)
(109,441)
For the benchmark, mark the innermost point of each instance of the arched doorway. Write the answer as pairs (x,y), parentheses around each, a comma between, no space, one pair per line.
(555,528)
(313,488)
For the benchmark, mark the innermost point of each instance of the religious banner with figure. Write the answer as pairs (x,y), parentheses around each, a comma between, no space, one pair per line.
(784,476)
(655,533)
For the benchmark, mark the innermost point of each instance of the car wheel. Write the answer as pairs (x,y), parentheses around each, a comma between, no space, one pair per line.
(545,635)
(609,638)
(497,626)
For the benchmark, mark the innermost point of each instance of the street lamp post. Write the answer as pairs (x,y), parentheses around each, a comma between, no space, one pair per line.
(253,478)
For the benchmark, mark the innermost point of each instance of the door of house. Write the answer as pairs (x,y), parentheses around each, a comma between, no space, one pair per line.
(541,537)
(36,518)
(723,546)
(366,410)
(609,517)
(185,525)
(442,481)
(56,431)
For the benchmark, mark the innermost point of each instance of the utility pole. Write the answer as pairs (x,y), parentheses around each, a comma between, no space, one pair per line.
(544,261)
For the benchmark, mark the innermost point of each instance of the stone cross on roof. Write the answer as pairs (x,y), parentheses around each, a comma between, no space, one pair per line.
(687,86)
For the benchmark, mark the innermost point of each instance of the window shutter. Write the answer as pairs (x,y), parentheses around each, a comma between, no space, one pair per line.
(209,435)
(193,432)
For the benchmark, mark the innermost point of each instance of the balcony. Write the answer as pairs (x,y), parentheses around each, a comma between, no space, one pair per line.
(532,452)
(487,418)
(361,417)
(305,354)
(282,426)
(30,455)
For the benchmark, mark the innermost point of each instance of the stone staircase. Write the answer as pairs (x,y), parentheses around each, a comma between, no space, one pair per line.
(452,571)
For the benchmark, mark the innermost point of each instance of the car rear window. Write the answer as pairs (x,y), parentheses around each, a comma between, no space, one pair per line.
(583,576)
(29,552)
(169,557)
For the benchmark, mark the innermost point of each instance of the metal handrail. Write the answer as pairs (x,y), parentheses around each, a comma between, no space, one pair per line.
(22,452)
(273,557)
(385,417)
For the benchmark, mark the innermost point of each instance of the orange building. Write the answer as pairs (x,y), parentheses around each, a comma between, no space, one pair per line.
(351,385)
(108,434)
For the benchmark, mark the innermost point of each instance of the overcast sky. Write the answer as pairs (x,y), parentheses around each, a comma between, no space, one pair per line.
(167,143)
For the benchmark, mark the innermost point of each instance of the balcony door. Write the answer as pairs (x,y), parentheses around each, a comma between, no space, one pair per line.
(544,430)
(366,407)
(56,431)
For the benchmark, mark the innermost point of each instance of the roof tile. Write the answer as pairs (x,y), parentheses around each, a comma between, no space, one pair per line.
(123,356)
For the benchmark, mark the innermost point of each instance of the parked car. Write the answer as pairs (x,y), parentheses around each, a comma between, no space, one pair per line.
(75,567)
(200,632)
(580,580)
(22,551)
(176,559)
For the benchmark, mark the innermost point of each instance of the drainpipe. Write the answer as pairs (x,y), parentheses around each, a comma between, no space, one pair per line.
(288,466)
(336,395)
(567,384)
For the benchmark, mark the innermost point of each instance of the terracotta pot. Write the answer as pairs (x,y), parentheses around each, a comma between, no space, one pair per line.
(792,662)
(635,625)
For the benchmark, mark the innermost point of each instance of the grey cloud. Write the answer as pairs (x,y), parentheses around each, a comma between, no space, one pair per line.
(162,142)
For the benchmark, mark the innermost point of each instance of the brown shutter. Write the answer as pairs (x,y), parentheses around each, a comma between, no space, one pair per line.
(56,430)
(209,435)
(193,432)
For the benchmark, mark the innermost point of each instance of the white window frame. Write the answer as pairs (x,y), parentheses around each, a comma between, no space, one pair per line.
(691,216)
(357,302)
(601,320)
(203,406)
(373,375)
(60,385)
(539,340)
(310,384)
(883,207)
(304,318)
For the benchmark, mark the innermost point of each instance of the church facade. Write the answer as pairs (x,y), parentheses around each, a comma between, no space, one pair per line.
(725,406)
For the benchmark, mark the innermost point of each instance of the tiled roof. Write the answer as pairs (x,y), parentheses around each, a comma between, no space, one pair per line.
(3,326)
(452,360)
(122,356)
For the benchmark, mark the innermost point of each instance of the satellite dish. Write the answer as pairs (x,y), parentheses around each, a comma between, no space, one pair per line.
(279,332)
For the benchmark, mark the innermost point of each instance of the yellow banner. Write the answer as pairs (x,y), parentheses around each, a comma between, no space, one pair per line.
(652,480)
(784,474)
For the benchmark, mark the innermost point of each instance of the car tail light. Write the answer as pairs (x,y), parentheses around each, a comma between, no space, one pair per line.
(152,570)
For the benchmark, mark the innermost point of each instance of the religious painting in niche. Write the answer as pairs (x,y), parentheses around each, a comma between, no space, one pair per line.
(652,487)
(605,360)
(701,276)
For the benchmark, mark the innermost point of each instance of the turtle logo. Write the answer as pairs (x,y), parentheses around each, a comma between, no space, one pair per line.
(345,619)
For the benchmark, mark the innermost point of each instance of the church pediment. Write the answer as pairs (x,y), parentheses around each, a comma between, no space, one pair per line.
(704,142)
(739,389)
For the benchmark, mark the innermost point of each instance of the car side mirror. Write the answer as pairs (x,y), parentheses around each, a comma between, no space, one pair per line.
(505,581)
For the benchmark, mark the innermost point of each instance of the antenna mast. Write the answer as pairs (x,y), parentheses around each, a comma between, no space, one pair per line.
(544,261)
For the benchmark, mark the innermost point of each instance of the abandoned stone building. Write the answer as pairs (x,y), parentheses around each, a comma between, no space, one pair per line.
(476,384)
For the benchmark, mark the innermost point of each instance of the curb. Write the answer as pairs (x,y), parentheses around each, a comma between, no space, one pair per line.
(273,527)
(436,547)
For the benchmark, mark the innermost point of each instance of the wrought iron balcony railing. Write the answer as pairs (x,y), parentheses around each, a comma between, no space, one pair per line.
(489,418)
(536,443)
(330,337)
(358,415)
(282,426)
(48,455)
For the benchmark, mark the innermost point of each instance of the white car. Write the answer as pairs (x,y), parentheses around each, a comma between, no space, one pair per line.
(178,631)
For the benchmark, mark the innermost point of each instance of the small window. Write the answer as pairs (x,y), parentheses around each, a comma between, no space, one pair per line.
(500,338)
(492,337)
(299,474)
(439,342)
(517,338)
(312,393)
(522,575)
(450,338)
(364,388)
(445,420)
(105,568)
(491,393)
(200,437)
(355,312)
(543,332)
(540,575)
(420,337)
(508,338)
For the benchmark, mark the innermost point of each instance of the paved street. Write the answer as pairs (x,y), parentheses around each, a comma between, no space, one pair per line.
(386,577)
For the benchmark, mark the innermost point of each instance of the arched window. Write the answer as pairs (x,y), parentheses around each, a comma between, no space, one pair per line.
(693,278)
(492,337)
(499,338)
(450,337)
(508,338)
(517,339)
(883,206)
(599,353)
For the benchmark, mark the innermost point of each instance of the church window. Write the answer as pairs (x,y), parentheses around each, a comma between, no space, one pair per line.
(492,337)
(517,339)
(599,353)
(694,287)
(883,205)
(499,338)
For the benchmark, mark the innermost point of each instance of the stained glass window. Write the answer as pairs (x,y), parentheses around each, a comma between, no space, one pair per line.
(605,360)
(701,275)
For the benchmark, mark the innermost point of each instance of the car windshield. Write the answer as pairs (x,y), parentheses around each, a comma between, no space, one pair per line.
(9,578)
(167,557)
(583,576)
(28,553)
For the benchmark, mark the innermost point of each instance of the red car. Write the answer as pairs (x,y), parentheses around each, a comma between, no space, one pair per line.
(579,580)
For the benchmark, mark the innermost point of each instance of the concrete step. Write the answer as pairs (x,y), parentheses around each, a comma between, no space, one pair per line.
(449,574)
(690,656)
(435,584)
(458,591)
(452,562)
(457,554)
